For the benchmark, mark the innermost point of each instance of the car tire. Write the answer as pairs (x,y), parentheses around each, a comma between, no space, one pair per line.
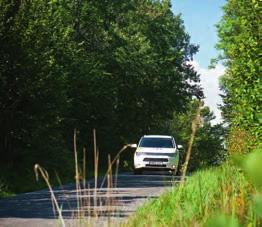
(137,171)
(174,172)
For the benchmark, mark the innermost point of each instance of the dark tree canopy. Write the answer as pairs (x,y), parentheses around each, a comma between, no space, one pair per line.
(118,66)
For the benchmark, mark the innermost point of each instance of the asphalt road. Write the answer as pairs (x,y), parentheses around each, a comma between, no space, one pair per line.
(111,206)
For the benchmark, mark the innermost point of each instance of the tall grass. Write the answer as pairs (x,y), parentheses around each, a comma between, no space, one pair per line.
(88,201)
(44,174)
(209,197)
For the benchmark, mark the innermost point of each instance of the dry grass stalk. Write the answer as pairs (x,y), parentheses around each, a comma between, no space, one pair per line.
(83,194)
(96,159)
(38,169)
(61,186)
(113,162)
(84,168)
(77,177)
(88,200)
(109,184)
(195,124)
(116,172)
(109,201)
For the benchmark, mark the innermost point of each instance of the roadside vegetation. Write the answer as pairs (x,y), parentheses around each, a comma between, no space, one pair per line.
(119,67)
(123,68)
(231,194)
(4,192)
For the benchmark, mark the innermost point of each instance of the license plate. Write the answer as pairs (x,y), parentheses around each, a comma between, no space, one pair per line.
(156,163)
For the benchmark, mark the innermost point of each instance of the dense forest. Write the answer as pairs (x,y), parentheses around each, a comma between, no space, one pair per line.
(120,67)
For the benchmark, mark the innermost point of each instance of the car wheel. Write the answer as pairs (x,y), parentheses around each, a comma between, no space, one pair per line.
(174,172)
(137,171)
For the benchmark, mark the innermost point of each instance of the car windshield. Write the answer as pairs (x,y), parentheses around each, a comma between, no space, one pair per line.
(157,142)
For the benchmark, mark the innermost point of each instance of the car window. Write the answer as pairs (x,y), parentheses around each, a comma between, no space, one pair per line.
(157,142)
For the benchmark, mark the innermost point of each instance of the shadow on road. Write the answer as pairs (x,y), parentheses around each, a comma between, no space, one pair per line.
(121,201)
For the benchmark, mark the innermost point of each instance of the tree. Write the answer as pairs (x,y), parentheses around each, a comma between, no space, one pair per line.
(87,64)
(239,38)
(208,147)
(137,72)
(33,86)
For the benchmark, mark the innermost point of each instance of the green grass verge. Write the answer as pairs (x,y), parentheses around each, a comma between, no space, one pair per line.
(4,192)
(219,196)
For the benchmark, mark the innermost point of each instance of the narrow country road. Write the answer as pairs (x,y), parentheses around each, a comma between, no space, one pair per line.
(111,206)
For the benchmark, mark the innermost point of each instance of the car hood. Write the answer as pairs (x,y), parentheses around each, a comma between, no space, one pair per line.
(156,150)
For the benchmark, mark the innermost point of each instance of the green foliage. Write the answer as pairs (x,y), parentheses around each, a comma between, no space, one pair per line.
(208,148)
(221,221)
(258,205)
(4,192)
(117,66)
(239,32)
(33,86)
(215,197)
(240,141)
(251,165)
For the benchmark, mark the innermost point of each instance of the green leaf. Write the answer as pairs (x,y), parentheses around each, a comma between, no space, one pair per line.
(253,167)
(258,205)
(221,220)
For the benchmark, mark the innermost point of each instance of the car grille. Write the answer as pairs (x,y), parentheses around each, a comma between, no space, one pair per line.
(155,159)
(158,154)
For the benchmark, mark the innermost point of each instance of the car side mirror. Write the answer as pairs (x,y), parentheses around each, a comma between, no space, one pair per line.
(133,145)
(179,147)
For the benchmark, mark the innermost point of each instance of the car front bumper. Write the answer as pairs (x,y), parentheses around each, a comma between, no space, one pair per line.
(163,163)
